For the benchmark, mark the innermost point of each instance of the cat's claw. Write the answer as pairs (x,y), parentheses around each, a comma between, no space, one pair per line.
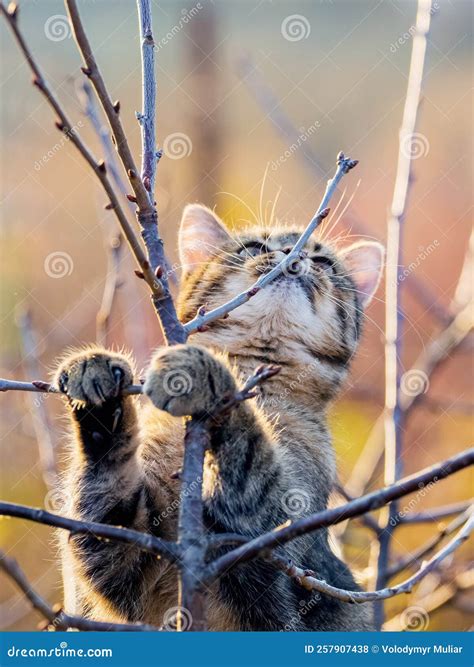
(92,377)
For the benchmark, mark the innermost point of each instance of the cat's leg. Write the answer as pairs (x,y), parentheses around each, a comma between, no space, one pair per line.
(105,482)
(245,478)
(189,380)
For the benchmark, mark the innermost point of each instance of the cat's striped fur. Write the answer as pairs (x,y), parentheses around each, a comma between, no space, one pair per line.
(272,459)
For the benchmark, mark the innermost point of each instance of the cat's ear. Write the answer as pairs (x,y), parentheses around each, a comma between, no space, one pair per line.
(201,234)
(364,263)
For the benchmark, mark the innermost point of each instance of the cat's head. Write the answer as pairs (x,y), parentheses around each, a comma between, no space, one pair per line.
(314,308)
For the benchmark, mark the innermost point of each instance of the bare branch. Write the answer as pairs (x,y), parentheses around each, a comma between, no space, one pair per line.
(344,165)
(330,517)
(425,549)
(146,118)
(56,616)
(307,579)
(41,422)
(99,168)
(112,283)
(46,387)
(426,366)
(443,594)
(146,212)
(40,386)
(393,419)
(436,513)
(135,333)
(143,541)
(192,536)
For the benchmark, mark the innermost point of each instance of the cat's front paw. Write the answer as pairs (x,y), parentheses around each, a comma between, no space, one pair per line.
(187,380)
(94,376)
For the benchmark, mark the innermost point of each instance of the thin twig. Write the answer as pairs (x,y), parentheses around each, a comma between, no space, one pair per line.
(39,386)
(55,616)
(112,283)
(424,369)
(307,579)
(41,422)
(146,118)
(271,106)
(443,594)
(394,415)
(99,168)
(333,516)
(143,541)
(202,319)
(134,327)
(147,215)
(436,513)
(425,549)
(192,536)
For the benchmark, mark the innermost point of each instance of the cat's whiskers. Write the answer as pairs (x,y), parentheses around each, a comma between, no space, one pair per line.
(241,201)
(328,230)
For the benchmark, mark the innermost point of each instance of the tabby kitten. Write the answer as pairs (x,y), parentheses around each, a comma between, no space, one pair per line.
(272,459)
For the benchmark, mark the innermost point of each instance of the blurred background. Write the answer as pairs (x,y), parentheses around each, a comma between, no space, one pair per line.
(255,98)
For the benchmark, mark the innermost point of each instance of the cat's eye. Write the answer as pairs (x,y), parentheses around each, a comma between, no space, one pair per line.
(322,263)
